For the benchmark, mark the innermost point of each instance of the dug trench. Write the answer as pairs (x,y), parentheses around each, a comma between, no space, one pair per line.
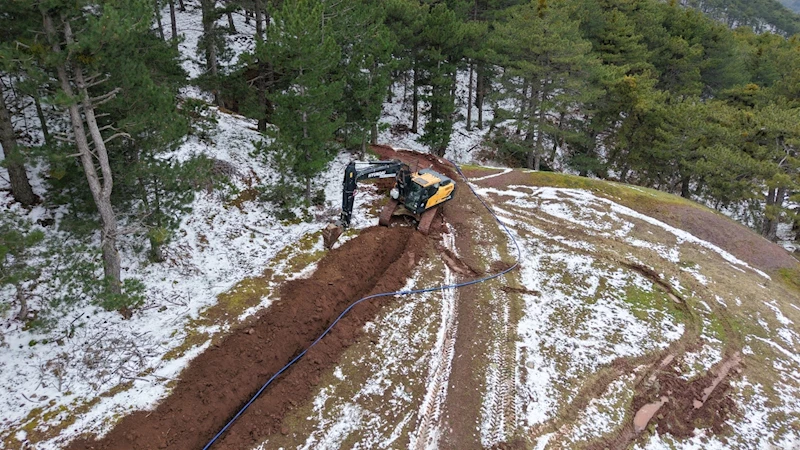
(223,378)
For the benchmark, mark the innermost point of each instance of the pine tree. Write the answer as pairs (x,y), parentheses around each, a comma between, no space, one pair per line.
(443,34)
(304,52)
(406,20)
(773,138)
(14,160)
(20,262)
(548,68)
(365,64)
(105,86)
(212,47)
(155,191)
(14,20)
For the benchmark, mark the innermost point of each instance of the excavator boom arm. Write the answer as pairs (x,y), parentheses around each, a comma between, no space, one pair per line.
(357,171)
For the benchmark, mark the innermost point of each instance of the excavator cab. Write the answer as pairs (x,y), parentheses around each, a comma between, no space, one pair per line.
(426,190)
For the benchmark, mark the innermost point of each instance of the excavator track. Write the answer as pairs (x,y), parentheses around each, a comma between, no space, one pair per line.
(386,214)
(426,220)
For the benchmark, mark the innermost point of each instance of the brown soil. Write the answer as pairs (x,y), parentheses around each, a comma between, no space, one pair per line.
(219,381)
(462,408)
(681,415)
(737,239)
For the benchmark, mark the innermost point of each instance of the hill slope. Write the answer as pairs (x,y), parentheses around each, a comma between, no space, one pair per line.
(617,309)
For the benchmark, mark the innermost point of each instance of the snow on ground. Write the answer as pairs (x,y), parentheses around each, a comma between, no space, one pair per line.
(570,327)
(578,318)
(190,30)
(605,413)
(215,246)
(428,431)
(582,199)
(464,145)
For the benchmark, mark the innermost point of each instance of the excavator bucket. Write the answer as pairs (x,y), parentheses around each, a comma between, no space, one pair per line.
(331,234)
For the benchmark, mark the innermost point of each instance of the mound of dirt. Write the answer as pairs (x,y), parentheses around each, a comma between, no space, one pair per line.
(700,403)
(222,379)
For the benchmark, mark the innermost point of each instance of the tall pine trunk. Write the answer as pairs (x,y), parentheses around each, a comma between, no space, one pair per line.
(307,153)
(415,101)
(157,11)
(231,25)
(173,21)
(259,19)
(536,154)
(209,36)
(101,184)
(264,71)
(685,185)
(469,97)
(775,199)
(480,94)
(20,186)
(42,119)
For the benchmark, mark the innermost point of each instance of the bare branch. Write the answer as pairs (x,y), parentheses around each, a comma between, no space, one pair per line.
(90,82)
(116,135)
(64,139)
(99,100)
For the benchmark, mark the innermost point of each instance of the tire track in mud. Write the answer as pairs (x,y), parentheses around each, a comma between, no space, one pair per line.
(499,408)
(429,418)
(219,381)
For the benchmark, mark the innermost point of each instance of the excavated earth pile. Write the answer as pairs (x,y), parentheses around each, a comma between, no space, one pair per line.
(221,380)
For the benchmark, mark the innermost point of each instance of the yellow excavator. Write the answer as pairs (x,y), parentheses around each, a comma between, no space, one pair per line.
(416,194)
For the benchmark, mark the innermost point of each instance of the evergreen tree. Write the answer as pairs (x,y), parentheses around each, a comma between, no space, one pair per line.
(365,64)
(304,52)
(772,137)
(548,68)
(406,20)
(108,78)
(212,47)
(14,160)
(626,77)
(19,262)
(443,34)
(14,20)
(154,189)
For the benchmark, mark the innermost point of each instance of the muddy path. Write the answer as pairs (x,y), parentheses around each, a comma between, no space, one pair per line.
(478,338)
(221,380)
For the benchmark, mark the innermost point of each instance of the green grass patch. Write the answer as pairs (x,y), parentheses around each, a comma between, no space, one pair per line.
(248,293)
(715,328)
(39,426)
(641,199)
(643,302)
(791,278)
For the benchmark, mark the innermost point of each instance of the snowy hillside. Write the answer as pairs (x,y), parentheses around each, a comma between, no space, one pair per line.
(635,319)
